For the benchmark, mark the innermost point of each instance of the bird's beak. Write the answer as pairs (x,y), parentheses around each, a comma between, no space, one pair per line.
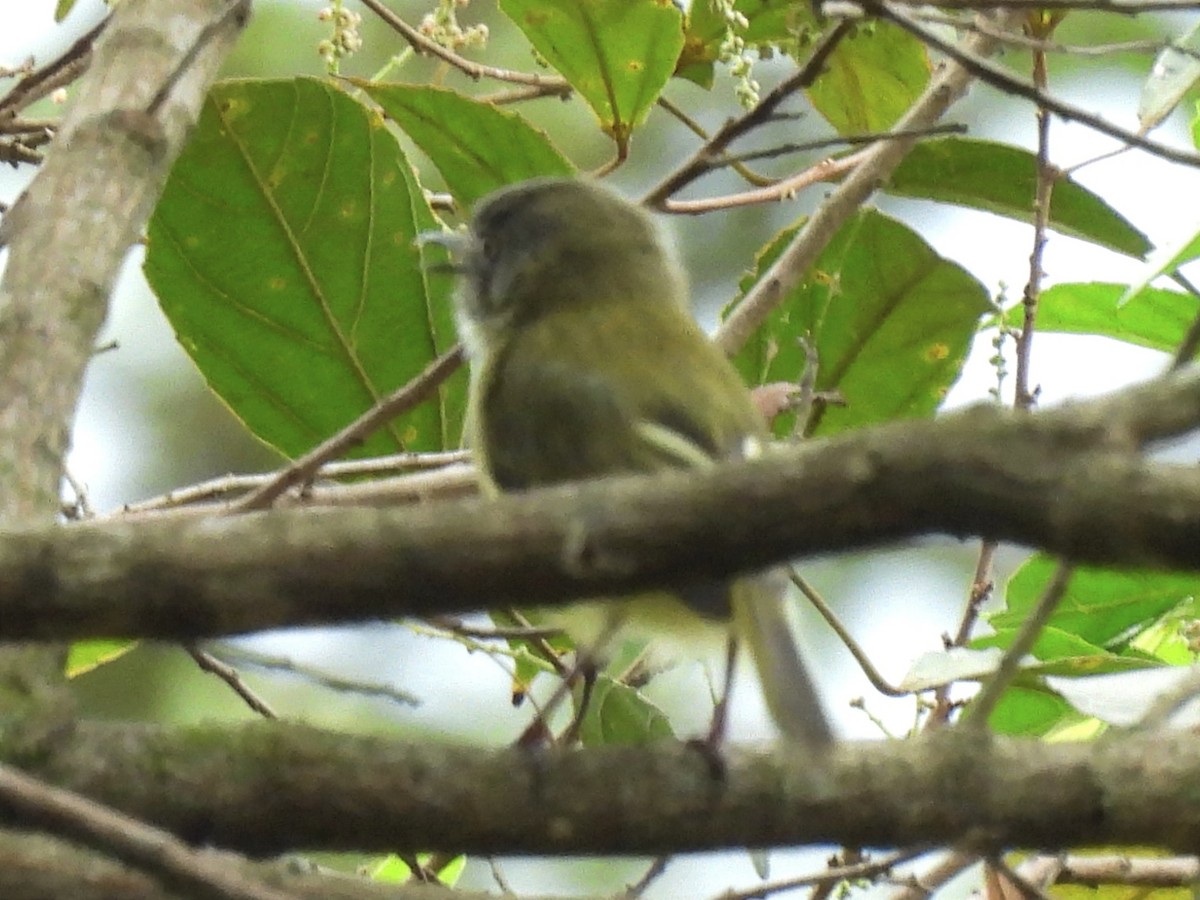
(457,243)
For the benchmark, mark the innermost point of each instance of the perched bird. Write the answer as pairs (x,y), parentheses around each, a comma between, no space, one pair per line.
(586,362)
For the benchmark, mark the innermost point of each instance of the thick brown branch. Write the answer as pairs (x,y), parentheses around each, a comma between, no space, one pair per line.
(1071,481)
(235,787)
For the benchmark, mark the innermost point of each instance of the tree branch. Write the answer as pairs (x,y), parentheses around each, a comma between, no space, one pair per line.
(876,165)
(236,787)
(1071,481)
(35,866)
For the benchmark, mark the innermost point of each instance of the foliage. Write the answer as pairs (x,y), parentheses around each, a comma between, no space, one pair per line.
(283,253)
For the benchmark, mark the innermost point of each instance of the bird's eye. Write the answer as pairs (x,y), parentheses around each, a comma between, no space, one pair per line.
(489,247)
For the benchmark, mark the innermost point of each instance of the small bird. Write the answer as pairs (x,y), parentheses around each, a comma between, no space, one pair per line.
(585,362)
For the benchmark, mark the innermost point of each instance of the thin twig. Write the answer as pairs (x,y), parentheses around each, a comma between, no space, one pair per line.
(1024,41)
(1026,396)
(215,488)
(652,873)
(498,877)
(1190,344)
(1001,78)
(704,158)
(786,189)
(474,70)
(981,589)
(697,129)
(1010,664)
(201,873)
(209,663)
(877,680)
(317,676)
(494,633)
(866,870)
(848,140)
(875,166)
(920,887)
(458,480)
(400,401)
(53,75)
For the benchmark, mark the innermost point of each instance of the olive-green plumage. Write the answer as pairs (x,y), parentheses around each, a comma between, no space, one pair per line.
(587,362)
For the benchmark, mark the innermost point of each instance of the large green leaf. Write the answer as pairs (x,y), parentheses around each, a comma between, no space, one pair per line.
(1154,318)
(617,54)
(476,146)
(1002,179)
(282,253)
(890,319)
(1105,607)
(871,79)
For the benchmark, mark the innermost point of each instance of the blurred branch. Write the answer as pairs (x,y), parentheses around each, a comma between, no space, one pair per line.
(651,799)
(1071,481)
(203,873)
(869,869)
(1168,872)
(43,81)
(36,866)
(319,677)
(428,476)
(67,236)
(216,488)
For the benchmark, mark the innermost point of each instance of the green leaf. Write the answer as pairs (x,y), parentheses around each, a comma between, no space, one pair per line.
(1154,318)
(1184,252)
(1068,655)
(1001,179)
(619,714)
(85,656)
(391,869)
(282,253)
(890,319)
(1173,74)
(1105,607)
(1030,709)
(62,8)
(617,54)
(476,146)
(871,79)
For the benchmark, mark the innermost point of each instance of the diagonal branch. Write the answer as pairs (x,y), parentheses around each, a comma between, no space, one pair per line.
(875,166)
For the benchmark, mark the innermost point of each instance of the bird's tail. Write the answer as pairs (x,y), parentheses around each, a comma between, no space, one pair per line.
(761,623)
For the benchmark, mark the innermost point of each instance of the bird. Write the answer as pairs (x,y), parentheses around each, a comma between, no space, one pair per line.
(586,362)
